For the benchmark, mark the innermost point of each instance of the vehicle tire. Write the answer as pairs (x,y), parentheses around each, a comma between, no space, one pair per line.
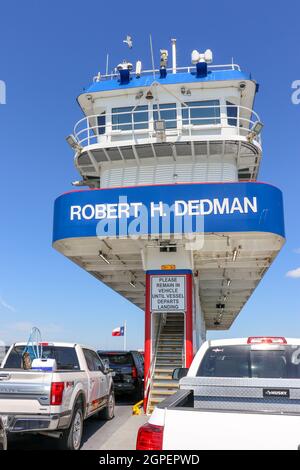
(139,393)
(109,411)
(71,438)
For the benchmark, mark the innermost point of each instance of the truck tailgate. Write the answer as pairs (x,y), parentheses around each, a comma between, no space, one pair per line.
(188,429)
(24,391)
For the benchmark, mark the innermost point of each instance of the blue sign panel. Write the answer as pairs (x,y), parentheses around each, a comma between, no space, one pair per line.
(169,209)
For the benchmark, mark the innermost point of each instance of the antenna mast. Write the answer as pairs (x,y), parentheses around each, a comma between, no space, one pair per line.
(152,56)
(107,59)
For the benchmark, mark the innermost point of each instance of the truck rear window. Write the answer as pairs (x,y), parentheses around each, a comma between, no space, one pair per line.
(248,361)
(66,358)
(117,359)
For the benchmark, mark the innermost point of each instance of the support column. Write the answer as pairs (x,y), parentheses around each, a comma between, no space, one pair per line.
(147,354)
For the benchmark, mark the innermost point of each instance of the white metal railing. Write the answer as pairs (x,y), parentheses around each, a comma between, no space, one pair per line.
(182,121)
(150,375)
(187,69)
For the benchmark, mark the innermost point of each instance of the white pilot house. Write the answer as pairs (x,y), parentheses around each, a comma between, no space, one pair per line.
(172,217)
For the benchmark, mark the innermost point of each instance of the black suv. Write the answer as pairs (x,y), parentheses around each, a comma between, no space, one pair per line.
(127,370)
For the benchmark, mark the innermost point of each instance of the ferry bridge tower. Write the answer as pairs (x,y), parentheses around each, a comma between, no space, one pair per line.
(172,216)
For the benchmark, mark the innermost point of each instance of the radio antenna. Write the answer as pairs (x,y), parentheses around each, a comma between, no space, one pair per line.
(152,56)
(107,59)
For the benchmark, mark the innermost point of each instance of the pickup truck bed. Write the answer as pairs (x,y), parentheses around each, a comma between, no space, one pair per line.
(25,399)
(236,414)
(234,396)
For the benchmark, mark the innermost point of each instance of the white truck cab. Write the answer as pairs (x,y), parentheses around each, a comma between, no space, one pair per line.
(55,401)
(237,394)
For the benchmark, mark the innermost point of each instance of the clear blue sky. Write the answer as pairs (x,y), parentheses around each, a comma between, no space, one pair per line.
(49,51)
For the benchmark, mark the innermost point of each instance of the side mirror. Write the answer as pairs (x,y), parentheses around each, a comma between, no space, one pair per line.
(179,373)
(106,368)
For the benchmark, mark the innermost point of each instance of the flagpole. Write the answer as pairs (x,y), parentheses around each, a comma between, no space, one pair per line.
(125,333)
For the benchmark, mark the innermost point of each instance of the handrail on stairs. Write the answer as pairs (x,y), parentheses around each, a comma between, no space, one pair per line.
(150,374)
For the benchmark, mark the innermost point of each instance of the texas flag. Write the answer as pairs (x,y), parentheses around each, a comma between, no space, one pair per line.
(118,331)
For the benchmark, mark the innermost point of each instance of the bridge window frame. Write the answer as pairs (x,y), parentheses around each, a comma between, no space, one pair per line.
(168,113)
(192,113)
(121,118)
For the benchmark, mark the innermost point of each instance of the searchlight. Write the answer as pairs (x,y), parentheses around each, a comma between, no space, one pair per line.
(73,143)
(201,60)
(255,131)
(124,70)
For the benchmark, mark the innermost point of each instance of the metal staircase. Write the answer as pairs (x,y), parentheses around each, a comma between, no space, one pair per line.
(169,355)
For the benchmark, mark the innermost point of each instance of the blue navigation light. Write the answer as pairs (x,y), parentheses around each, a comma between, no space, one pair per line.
(201,68)
(163,72)
(124,76)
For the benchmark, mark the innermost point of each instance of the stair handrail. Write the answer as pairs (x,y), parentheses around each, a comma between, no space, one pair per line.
(150,374)
(183,354)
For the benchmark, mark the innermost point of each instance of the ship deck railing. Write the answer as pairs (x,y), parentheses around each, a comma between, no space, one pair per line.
(155,72)
(190,123)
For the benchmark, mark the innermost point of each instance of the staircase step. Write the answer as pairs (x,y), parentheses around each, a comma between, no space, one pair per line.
(162,392)
(175,365)
(165,357)
(173,329)
(169,384)
(164,348)
(171,341)
(167,368)
(156,400)
(167,353)
(166,361)
(173,334)
(162,376)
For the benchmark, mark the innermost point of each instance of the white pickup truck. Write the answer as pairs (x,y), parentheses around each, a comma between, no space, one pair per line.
(55,402)
(237,394)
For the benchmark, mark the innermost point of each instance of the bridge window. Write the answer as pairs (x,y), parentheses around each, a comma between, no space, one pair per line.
(129,118)
(201,113)
(167,112)
(231,113)
(101,123)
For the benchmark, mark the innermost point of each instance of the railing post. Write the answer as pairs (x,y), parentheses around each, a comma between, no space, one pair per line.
(132,124)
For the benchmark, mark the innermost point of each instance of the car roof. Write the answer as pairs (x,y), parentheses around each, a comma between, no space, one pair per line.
(241,341)
(100,351)
(56,344)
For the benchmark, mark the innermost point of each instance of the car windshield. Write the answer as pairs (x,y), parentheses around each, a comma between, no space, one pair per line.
(66,357)
(252,362)
(117,359)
